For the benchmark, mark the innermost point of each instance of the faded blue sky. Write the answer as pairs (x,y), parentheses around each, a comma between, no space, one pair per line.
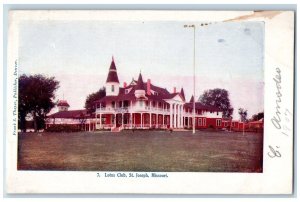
(78,53)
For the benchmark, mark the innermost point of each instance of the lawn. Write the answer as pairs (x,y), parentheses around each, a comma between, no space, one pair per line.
(206,151)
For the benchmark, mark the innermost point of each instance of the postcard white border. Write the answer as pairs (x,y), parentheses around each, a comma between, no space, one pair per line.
(277,176)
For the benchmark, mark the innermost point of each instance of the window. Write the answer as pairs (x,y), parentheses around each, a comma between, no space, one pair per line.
(112,88)
(204,121)
(218,122)
(200,122)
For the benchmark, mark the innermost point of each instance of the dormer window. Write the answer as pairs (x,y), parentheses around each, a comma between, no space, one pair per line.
(126,91)
(155,93)
(112,88)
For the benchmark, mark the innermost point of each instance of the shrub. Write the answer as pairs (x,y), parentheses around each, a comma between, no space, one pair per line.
(63,128)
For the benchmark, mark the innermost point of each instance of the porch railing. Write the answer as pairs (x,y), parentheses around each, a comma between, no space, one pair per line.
(127,109)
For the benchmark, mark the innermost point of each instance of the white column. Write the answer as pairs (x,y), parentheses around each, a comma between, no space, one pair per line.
(141,120)
(115,115)
(176,115)
(96,125)
(171,115)
(163,123)
(131,120)
(181,116)
(150,120)
(182,119)
(100,121)
(157,120)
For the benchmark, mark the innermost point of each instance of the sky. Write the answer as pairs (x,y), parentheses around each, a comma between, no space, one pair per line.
(78,54)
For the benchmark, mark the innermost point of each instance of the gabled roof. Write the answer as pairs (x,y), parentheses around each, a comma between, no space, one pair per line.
(112,74)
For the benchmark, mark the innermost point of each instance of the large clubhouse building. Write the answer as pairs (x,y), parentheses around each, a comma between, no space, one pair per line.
(144,105)
(139,105)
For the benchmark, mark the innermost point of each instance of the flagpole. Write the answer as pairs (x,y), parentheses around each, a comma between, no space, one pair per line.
(194,76)
(194,104)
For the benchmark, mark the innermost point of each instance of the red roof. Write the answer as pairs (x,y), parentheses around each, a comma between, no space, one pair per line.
(124,93)
(63,103)
(112,74)
(75,114)
(198,105)
(160,95)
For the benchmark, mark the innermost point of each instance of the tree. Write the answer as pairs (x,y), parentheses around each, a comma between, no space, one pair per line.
(89,102)
(243,114)
(218,98)
(36,95)
(258,116)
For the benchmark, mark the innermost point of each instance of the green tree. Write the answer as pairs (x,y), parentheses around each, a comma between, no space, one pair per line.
(89,102)
(218,98)
(36,95)
(257,116)
(243,114)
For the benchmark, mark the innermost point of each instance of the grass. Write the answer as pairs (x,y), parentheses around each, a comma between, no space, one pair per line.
(205,151)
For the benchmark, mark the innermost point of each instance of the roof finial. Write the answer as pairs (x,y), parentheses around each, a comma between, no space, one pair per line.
(113,58)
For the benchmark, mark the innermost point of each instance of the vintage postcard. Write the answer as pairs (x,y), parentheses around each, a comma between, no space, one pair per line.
(150,102)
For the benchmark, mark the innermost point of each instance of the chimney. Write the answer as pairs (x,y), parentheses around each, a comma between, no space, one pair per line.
(125,85)
(174,91)
(148,87)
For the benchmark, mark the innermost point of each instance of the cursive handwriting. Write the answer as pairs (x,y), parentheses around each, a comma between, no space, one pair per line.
(274,153)
(276,120)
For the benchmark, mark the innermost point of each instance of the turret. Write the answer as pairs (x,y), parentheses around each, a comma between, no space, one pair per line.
(192,99)
(139,88)
(112,81)
(182,94)
(63,105)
